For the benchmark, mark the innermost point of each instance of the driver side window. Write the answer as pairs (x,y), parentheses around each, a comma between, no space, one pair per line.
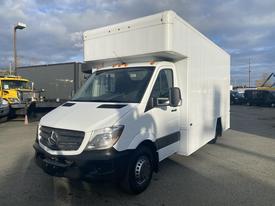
(163,84)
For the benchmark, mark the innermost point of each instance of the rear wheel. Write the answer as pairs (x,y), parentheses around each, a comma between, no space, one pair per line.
(139,172)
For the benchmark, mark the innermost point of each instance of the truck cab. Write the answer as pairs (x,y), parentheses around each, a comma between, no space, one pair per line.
(19,93)
(11,86)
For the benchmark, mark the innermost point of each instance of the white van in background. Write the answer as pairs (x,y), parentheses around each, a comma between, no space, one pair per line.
(160,88)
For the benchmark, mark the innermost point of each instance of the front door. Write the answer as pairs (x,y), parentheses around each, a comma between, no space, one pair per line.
(166,118)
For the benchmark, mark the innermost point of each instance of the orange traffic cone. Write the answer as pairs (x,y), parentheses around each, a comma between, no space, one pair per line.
(26,122)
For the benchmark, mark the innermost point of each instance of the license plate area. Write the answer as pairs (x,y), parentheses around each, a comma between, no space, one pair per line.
(55,161)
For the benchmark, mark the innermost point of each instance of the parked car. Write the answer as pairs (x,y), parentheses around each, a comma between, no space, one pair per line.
(4,110)
(236,98)
(260,97)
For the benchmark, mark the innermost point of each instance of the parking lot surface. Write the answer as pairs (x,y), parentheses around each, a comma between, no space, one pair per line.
(238,170)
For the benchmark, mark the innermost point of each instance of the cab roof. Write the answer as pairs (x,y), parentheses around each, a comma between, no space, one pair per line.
(14,78)
(141,64)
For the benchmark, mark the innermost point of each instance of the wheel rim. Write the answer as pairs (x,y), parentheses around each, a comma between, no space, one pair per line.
(142,170)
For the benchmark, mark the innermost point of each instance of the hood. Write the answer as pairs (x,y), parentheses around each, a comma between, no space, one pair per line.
(15,90)
(85,116)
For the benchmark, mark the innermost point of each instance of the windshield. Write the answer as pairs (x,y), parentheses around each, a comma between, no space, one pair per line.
(15,84)
(116,85)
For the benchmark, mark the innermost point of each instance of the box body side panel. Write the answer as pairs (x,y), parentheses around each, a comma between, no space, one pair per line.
(207,90)
(207,70)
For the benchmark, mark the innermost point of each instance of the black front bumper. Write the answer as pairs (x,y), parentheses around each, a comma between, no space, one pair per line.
(18,108)
(90,165)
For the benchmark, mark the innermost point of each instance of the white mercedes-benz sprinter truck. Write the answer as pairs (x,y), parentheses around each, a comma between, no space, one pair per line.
(158,87)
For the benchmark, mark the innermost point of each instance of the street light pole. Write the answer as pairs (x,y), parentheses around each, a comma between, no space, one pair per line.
(249,73)
(17,26)
(14,51)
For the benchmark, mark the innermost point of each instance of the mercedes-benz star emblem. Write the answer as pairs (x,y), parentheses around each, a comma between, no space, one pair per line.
(52,140)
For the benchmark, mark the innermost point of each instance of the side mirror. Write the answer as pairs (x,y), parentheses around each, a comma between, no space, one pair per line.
(174,97)
(32,86)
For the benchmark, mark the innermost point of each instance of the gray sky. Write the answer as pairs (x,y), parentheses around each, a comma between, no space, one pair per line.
(54,34)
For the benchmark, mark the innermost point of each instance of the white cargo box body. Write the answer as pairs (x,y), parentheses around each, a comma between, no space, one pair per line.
(202,68)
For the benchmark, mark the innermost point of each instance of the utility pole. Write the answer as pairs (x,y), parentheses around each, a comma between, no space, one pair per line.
(249,73)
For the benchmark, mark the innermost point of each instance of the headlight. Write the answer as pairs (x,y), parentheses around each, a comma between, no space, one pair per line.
(104,138)
(14,100)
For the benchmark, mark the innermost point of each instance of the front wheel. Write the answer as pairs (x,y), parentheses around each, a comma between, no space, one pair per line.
(139,172)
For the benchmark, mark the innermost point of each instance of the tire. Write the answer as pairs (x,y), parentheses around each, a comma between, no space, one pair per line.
(139,172)
(218,132)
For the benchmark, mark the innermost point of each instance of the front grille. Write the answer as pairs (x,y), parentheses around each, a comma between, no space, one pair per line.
(60,139)
(26,96)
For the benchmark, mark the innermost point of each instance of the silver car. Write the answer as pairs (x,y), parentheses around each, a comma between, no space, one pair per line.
(4,109)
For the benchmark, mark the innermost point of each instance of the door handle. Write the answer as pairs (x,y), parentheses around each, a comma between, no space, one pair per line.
(173,110)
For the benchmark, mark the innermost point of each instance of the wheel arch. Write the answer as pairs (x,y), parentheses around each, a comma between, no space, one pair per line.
(150,144)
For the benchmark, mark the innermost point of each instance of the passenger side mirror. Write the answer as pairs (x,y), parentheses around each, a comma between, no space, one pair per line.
(32,86)
(174,97)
